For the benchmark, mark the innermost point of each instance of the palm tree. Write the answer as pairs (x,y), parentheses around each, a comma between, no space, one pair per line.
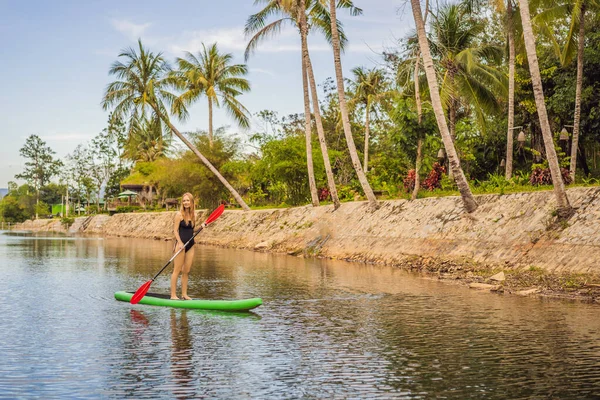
(511,89)
(468,67)
(463,186)
(369,90)
(564,208)
(141,89)
(335,41)
(213,75)
(146,141)
(471,6)
(418,161)
(299,13)
(579,8)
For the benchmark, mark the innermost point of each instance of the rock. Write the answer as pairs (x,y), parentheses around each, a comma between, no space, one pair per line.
(528,292)
(498,277)
(483,286)
(262,246)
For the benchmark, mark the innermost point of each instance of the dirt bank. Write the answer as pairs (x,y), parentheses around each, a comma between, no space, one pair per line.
(516,233)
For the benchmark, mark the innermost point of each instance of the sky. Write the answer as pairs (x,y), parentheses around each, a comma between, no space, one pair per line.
(55,58)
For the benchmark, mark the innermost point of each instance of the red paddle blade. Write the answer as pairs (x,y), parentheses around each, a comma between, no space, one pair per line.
(215,214)
(141,292)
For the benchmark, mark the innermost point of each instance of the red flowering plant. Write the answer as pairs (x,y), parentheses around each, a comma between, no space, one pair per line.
(434,179)
(541,175)
(323,193)
(409,181)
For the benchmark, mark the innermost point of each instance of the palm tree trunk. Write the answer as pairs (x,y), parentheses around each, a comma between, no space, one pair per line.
(344,109)
(463,186)
(419,115)
(452,127)
(564,208)
(308,130)
(511,91)
(193,148)
(417,169)
(210,122)
(316,110)
(577,116)
(366,156)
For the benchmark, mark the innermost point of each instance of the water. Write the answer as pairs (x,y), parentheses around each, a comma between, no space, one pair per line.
(326,329)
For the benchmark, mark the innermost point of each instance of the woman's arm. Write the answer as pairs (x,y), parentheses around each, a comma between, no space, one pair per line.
(176,221)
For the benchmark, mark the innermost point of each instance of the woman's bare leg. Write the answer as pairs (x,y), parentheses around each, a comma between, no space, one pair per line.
(177,266)
(187,265)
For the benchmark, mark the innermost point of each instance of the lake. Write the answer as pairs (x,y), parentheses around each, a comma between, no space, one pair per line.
(327,329)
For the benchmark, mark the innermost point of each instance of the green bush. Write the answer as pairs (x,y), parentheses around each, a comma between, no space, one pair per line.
(67,221)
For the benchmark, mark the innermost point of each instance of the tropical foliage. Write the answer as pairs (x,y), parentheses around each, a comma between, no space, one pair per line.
(484,96)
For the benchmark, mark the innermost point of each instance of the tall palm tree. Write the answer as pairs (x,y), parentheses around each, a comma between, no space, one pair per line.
(577,27)
(469,68)
(335,41)
(212,74)
(305,16)
(511,90)
(507,10)
(564,208)
(463,186)
(141,89)
(370,89)
(418,161)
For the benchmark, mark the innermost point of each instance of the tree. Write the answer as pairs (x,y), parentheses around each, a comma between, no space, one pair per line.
(335,39)
(117,136)
(511,89)
(370,89)
(79,167)
(102,156)
(213,75)
(306,16)
(470,75)
(577,27)
(564,208)
(459,177)
(146,140)
(142,88)
(41,165)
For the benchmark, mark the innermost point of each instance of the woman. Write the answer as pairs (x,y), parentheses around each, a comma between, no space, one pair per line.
(183,229)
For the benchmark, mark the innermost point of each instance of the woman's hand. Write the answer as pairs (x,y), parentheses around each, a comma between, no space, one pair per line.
(180,245)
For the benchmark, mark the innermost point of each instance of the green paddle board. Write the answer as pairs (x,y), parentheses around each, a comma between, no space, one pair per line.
(154,299)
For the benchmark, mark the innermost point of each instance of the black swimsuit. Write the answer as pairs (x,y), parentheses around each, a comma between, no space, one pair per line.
(186,231)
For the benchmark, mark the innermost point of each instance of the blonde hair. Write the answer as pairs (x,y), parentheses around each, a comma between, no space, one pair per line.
(189,216)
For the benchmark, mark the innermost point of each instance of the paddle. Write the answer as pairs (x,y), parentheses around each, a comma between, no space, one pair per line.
(141,292)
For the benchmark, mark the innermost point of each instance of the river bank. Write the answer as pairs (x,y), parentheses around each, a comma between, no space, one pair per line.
(512,243)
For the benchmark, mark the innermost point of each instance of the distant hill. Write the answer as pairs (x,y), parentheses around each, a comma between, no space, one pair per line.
(3,192)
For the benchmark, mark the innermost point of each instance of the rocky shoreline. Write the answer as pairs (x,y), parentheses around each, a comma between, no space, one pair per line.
(511,244)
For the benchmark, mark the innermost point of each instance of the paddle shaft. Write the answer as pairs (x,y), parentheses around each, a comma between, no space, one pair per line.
(176,254)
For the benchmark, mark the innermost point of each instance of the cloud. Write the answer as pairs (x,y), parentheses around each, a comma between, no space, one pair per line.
(130,29)
(226,38)
(262,71)
(233,40)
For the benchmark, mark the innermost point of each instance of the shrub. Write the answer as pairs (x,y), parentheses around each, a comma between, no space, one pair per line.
(323,193)
(434,178)
(409,181)
(542,176)
(67,221)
